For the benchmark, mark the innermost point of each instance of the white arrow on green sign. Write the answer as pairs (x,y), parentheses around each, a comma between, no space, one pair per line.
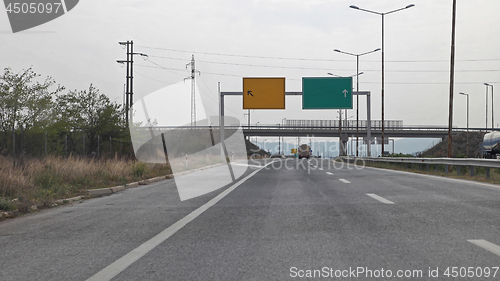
(326,93)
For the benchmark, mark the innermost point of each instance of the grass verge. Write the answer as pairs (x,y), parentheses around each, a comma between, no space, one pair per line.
(40,182)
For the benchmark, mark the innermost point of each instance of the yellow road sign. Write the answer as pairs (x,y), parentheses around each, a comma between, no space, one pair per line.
(263,93)
(294,150)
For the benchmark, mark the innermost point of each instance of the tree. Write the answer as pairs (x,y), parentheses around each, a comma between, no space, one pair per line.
(91,112)
(25,102)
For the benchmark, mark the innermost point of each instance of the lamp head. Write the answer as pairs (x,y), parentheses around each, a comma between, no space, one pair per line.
(409,6)
(354,7)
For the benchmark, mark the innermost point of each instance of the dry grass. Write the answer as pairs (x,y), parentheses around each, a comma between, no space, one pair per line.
(41,181)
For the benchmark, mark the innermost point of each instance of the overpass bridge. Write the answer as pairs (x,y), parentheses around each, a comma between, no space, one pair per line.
(284,130)
(399,132)
(331,128)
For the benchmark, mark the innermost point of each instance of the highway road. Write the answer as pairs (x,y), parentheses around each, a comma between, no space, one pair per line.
(277,223)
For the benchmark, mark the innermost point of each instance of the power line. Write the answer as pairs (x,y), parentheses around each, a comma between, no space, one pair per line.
(167,68)
(365,82)
(328,69)
(154,79)
(216,101)
(302,59)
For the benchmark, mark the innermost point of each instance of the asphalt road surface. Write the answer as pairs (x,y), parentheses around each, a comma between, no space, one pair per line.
(303,220)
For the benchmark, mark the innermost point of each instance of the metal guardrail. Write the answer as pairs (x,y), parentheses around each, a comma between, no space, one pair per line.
(459,162)
(475,162)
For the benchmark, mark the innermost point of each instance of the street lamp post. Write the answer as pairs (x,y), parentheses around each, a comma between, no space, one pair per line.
(341,147)
(357,75)
(382,14)
(329,73)
(392,145)
(357,89)
(486,118)
(492,115)
(467,149)
(279,140)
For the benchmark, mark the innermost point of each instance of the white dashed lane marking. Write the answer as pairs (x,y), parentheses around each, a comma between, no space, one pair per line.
(379,198)
(495,249)
(344,181)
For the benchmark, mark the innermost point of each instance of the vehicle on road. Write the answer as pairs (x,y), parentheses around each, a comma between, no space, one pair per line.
(304,151)
(491,145)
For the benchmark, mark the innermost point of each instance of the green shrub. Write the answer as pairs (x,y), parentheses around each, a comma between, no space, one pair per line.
(138,169)
(6,205)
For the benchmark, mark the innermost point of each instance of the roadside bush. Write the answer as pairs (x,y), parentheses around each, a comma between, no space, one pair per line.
(138,169)
(6,205)
(42,181)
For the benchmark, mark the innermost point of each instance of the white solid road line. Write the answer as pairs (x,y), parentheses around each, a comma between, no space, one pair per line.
(344,181)
(247,165)
(380,199)
(329,173)
(495,249)
(122,263)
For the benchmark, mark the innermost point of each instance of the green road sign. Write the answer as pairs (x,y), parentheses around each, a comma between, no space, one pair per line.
(326,93)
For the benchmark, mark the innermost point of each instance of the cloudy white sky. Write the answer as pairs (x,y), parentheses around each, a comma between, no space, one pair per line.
(281,38)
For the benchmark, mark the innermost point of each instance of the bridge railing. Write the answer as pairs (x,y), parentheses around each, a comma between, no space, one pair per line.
(429,128)
(408,128)
(345,123)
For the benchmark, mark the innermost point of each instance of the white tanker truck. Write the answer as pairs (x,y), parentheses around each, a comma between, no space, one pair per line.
(491,145)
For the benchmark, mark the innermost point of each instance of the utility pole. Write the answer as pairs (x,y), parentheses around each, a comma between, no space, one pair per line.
(127,78)
(193,93)
(131,77)
(129,90)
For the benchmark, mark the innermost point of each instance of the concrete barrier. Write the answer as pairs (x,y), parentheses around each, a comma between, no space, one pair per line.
(117,188)
(99,192)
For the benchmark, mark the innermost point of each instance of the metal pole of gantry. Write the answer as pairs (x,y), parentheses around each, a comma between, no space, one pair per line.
(362,93)
(222,134)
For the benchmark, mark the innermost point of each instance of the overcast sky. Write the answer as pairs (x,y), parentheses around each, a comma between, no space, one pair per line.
(296,37)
